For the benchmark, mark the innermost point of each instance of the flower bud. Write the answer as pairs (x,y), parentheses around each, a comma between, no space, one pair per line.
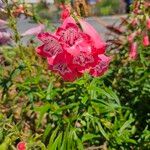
(146,41)
(134,22)
(133,50)
(21,146)
(148,23)
(131,37)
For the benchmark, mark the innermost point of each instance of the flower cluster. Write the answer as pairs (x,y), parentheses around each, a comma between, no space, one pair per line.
(72,50)
(140,27)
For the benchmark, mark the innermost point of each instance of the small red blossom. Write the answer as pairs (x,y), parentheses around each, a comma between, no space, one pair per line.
(146,41)
(148,23)
(131,37)
(65,13)
(21,146)
(19,10)
(133,50)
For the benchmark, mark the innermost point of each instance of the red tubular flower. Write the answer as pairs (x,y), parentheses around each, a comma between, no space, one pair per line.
(131,37)
(133,50)
(21,146)
(65,13)
(146,41)
(72,50)
(148,23)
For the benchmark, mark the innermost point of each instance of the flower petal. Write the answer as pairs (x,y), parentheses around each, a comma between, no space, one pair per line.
(34,31)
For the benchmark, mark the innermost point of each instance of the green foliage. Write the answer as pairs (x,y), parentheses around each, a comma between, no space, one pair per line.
(107,7)
(36,106)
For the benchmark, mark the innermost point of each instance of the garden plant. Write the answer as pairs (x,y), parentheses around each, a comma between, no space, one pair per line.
(68,89)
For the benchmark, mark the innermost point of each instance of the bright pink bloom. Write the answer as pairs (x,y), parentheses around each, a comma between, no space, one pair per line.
(148,23)
(101,66)
(131,37)
(21,146)
(51,46)
(34,31)
(72,50)
(62,64)
(146,41)
(97,41)
(133,50)
(65,13)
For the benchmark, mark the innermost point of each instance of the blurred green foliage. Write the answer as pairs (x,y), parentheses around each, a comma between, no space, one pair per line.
(107,7)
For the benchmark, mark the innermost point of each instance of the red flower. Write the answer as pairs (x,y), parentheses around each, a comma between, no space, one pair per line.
(21,146)
(65,13)
(72,50)
(101,66)
(148,23)
(51,46)
(131,37)
(133,50)
(146,41)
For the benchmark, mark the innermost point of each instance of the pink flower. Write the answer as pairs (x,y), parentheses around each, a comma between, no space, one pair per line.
(34,31)
(101,66)
(51,45)
(148,23)
(131,37)
(21,146)
(65,13)
(134,22)
(97,41)
(146,41)
(71,50)
(133,50)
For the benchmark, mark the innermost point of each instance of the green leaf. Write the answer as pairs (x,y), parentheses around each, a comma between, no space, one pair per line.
(42,110)
(67,107)
(52,138)
(46,132)
(57,143)
(102,130)
(80,144)
(113,95)
(49,90)
(84,99)
(126,125)
(88,136)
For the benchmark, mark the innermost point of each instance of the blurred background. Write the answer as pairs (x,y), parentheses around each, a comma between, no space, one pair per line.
(51,8)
